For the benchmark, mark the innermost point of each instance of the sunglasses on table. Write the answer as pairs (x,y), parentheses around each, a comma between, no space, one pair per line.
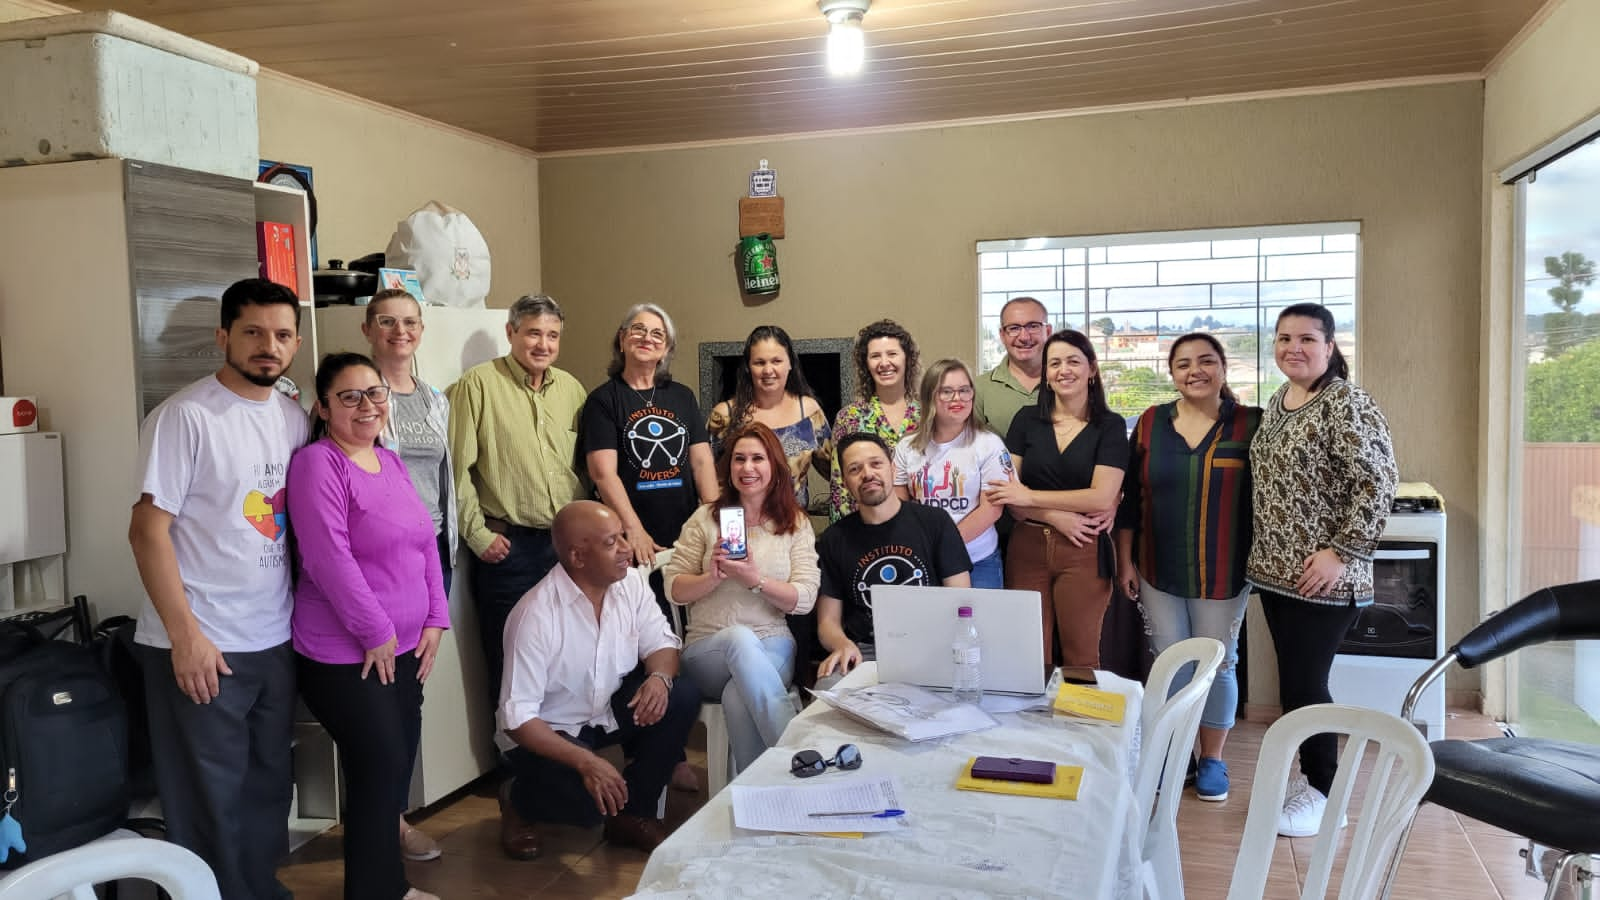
(807,763)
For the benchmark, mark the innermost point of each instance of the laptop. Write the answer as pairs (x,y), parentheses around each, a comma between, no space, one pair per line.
(913,627)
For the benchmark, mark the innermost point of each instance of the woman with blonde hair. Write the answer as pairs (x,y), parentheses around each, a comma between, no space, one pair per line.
(418,430)
(947,461)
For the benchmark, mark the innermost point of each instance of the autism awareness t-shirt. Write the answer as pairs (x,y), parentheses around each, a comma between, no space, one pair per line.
(951,477)
(218,463)
(652,432)
(919,546)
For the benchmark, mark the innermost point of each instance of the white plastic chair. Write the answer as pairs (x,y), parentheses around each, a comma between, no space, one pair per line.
(74,873)
(1168,727)
(1401,773)
(719,752)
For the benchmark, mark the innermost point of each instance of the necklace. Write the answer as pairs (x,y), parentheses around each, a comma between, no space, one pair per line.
(651,401)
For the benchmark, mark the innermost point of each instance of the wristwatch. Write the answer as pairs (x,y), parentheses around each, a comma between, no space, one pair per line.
(665,678)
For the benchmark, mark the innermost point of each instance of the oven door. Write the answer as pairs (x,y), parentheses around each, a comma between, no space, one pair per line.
(1404,614)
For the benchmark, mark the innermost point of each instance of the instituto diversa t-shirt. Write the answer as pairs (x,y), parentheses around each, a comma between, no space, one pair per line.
(919,546)
(217,462)
(652,432)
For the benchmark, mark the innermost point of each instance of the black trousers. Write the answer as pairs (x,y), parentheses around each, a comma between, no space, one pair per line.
(223,768)
(547,791)
(1305,637)
(376,727)
(497,587)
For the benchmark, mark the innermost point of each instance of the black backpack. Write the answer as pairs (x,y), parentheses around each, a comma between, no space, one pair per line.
(63,744)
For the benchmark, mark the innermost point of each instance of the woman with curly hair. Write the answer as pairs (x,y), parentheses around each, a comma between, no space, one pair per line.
(772,390)
(886,366)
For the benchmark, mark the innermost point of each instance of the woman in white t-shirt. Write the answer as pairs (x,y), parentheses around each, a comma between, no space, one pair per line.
(947,463)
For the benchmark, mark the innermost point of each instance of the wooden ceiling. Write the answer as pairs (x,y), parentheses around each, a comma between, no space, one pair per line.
(573,75)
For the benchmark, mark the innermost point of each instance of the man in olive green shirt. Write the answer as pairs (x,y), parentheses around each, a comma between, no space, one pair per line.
(513,433)
(1014,384)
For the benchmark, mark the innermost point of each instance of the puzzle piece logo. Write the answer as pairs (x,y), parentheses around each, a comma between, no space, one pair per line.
(267,515)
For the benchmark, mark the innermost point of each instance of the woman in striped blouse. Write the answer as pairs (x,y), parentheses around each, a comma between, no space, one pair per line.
(1184,528)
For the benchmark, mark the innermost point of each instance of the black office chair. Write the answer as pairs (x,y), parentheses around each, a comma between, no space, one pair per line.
(1544,790)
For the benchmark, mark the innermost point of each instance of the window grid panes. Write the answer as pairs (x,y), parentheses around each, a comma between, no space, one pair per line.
(1134,294)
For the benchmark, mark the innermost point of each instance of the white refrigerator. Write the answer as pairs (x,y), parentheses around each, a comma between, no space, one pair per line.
(33,522)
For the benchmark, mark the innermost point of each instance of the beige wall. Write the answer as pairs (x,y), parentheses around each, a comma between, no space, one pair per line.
(884,225)
(1538,90)
(375,165)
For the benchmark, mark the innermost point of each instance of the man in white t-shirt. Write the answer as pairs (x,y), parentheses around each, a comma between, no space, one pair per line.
(208,534)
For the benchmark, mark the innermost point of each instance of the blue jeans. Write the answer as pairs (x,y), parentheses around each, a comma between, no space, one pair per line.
(750,676)
(987,572)
(1169,619)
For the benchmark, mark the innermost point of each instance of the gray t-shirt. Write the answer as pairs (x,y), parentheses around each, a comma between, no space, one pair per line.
(421,448)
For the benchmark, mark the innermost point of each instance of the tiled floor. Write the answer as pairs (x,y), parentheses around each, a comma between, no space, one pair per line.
(1449,858)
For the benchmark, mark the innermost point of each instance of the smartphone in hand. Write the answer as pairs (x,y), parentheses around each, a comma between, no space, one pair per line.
(731,521)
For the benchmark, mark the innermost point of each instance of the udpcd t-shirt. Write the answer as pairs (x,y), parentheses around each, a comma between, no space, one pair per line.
(217,462)
(951,477)
(919,546)
(652,431)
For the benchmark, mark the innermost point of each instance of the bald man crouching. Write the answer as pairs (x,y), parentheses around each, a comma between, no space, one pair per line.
(590,661)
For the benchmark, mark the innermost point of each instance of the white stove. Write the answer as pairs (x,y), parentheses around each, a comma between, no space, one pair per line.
(1397,638)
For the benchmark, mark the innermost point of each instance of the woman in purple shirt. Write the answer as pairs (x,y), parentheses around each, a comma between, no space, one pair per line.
(369,607)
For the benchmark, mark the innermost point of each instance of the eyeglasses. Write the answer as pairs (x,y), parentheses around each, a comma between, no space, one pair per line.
(1033,328)
(390,323)
(807,763)
(647,334)
(378,394)
(961,393)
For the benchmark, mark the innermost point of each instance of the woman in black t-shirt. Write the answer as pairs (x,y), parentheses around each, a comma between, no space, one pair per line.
(1070,452)
(644,439)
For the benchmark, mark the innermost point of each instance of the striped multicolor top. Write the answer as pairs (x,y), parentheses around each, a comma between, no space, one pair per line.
(1189,508)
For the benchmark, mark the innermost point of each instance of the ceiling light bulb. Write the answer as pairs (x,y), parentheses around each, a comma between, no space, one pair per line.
(847,44)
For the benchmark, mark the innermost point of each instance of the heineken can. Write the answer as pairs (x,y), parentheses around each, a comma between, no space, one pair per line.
(758,265)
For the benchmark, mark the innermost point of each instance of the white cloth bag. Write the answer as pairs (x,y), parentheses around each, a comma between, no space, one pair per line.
(448,253)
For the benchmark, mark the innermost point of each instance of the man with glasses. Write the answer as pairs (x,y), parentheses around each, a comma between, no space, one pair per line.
(213,636)
(513,430)
(592,663)
(1014,384)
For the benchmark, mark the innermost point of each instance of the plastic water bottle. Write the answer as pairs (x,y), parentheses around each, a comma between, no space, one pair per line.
(967,653)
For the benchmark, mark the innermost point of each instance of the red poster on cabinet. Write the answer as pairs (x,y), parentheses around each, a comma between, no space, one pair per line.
(275,250)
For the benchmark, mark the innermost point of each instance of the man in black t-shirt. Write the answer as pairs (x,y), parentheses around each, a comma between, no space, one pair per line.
(885,541)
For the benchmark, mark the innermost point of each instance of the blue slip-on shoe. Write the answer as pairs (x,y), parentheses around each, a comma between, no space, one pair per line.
(1211,781)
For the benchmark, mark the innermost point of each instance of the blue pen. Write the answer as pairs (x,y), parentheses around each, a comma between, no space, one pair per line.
(874,813)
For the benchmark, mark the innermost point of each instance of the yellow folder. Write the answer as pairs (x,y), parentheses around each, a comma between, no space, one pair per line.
(1091,703)
(1065,787)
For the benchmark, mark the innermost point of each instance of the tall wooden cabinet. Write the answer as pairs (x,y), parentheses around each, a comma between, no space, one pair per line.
(111,274)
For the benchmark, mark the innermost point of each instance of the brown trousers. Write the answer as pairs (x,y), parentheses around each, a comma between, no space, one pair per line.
(1068,580)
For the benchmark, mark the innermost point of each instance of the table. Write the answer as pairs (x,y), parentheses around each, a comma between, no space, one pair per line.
(956,844)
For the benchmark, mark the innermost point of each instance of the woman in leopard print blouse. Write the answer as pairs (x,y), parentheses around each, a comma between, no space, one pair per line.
(1324,476)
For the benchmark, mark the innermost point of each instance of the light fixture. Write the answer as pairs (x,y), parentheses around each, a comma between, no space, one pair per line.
(847,45)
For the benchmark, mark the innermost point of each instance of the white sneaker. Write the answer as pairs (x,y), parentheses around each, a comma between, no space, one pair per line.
(1302,810)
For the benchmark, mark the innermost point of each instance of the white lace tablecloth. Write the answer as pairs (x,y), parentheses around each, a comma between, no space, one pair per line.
(954,844)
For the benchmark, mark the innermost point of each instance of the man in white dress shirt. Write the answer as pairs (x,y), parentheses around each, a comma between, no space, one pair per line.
(590,661)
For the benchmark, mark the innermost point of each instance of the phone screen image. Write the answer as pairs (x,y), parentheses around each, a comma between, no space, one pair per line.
(733,538)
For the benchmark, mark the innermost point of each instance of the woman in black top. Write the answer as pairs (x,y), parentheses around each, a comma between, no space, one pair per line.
(1070,453)
(646,449)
